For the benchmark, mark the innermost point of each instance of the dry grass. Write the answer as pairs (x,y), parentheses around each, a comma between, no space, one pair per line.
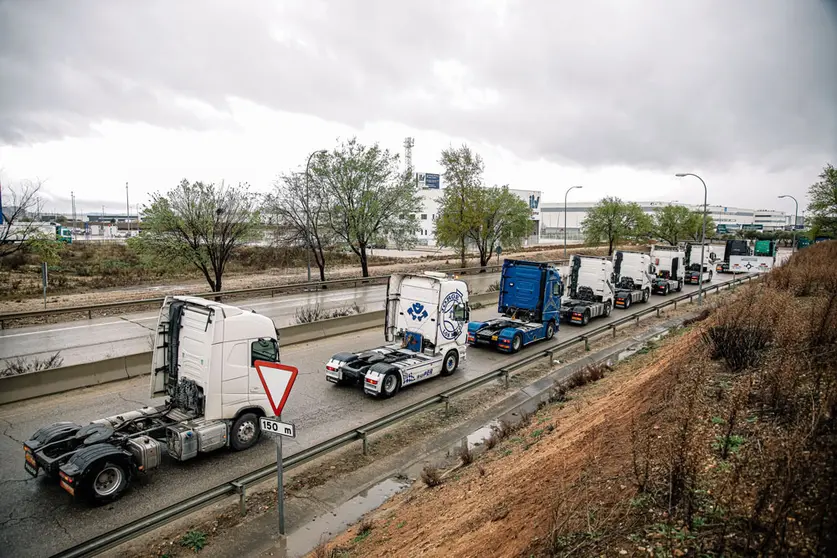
(431,476)
(23,365)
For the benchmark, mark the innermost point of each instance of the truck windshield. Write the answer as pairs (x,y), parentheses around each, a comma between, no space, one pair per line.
(264,349)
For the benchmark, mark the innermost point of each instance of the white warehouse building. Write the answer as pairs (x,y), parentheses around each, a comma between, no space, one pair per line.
(733,218)
(430,198)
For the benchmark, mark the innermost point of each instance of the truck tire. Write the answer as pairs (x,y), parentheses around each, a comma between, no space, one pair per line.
(585,319)
(390,385)
(646,294)
(105,482)
(245,432)
(450,363)
(627,303)
(517,342)
(679,286)
(710,276)
(550,330)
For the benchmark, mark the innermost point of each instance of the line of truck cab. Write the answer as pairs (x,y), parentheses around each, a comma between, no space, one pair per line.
(589,291)
(425,324)
(633,275)
(670,262)
(529,304)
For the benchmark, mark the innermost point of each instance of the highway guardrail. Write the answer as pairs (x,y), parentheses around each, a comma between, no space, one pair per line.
(239,486)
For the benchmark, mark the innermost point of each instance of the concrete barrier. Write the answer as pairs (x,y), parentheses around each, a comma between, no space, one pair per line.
(67,378)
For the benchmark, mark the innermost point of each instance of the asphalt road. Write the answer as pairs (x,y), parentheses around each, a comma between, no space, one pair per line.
(101,339)
(38,518)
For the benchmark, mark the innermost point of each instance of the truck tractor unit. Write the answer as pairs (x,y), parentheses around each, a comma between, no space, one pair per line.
(761,261)
(633,274)
(732,248)
(425,322)
(590,291)
(669,261)
(694,270)
(203,364)
(529,304)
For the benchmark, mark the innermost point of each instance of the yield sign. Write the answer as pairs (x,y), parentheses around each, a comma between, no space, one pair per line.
(277,379)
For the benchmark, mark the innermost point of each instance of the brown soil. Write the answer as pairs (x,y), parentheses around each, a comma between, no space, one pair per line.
(505,501)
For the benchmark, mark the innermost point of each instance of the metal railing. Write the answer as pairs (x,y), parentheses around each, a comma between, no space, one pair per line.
(352,282)
(239,486)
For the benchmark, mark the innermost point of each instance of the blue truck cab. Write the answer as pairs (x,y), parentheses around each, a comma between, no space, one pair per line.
(530,303)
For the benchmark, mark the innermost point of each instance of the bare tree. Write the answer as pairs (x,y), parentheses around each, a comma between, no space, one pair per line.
(301,215)
(18,229)
(200,224)
(370,200)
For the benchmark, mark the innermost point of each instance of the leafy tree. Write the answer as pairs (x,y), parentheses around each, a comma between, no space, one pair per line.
(463,170)
(200,224)
(694,226)
(302,215)
(670,223)
(496,217)
(823,204)
(369,199)
(16,232)
(615,221)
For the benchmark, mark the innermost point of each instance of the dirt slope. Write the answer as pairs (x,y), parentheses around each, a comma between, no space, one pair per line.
(505,502)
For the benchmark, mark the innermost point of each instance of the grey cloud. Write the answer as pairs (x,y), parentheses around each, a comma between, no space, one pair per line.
(650,85)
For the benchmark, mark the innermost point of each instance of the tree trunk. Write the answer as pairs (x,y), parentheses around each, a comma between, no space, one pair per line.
(364,264)
(462,252)
(610,247)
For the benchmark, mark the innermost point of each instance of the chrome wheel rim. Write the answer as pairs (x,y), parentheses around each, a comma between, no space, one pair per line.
(450,363)
(108,481)
(246,431)
(389,383)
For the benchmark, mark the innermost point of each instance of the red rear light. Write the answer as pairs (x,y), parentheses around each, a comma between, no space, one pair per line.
(372,382)
(331,368)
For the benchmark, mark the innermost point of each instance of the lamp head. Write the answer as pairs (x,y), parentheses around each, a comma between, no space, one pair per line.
(680,174)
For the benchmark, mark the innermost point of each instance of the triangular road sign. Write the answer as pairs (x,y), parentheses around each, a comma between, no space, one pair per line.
(277,379)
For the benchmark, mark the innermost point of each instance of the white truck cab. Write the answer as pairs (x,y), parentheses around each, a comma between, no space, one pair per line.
(203,364)
(633,274)
(426,323)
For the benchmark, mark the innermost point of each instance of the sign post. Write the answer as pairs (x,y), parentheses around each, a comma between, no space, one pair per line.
(45,278)
(277,380)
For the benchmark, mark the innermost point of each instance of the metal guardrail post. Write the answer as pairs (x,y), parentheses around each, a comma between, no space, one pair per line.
(637,321)
(446,399)
(613,329)
(242,497)
(675,305)
(658,311)
(89,314)
(506,379)
(586,342)
(364,439)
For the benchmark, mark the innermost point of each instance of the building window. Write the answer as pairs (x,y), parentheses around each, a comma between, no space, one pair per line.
(424,216)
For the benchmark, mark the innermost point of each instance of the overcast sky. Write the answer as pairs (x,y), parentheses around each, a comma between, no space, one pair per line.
(613,95)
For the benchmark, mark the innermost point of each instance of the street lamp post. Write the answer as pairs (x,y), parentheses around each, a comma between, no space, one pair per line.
(565,218)
(702,235)
(308,212)
(795,213)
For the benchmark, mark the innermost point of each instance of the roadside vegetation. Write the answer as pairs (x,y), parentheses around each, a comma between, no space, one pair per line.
(718,441)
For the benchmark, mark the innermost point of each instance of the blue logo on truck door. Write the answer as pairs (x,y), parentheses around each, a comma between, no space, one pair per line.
(451,328)
(417,311)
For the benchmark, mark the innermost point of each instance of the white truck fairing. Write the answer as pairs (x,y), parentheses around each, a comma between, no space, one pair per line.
(212,351)
(426,317)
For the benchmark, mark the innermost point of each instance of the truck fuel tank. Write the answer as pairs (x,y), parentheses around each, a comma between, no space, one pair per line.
(147,452)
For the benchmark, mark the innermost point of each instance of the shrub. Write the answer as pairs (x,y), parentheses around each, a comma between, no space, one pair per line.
(20,365)
(431,476)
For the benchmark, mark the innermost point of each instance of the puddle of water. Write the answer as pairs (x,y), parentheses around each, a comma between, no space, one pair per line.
(477,437)
(327,526)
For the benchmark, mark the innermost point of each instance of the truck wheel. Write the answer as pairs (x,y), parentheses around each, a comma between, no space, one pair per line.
(550,330)
(585,319)
(390,385)
(679,286)
(517,342)
(710,276)
(646,294)
(608,309)
(450,363)
(666,290)
(107,481)
(245,432)
(627,303)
